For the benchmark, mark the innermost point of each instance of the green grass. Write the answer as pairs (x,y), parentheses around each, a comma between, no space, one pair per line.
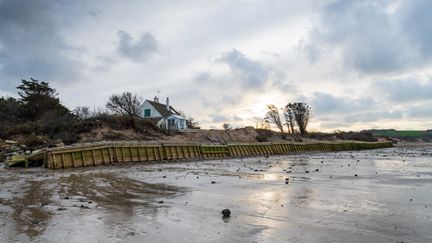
(401,133)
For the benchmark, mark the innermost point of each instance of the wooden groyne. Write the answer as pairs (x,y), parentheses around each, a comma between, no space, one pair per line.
(113,153)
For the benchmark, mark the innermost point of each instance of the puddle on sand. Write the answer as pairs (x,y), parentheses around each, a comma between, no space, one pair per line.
(28,213)
(111,191)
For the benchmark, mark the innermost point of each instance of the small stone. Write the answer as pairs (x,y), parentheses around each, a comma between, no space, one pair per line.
(286,182)
(226,212)
(316,170)
(306,171)
(83,206)
(61,209)
(161,201)
(131,233)
(322,161)
(213,182)
(163,176)
(288,171)
(355,175)
(411,199)
(35,221)
(349,164)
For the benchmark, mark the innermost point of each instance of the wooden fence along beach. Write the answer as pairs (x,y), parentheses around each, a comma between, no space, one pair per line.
(113,153)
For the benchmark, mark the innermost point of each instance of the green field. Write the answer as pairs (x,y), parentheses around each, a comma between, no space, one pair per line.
(402,133)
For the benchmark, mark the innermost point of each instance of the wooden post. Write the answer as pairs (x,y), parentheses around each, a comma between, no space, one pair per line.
(94,157)
(139,154)
(131,154)
(83,158)
(110,154)
(73,159)
(123,155)
(103,156)
(62,160)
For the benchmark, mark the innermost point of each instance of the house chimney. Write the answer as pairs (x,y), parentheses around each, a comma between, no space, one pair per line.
(167,104)
(156,99)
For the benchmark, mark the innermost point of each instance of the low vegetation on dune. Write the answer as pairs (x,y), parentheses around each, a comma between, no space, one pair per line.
(38,119)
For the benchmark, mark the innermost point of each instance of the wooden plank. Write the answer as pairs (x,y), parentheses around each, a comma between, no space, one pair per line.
(94,157)
(103,156)
(54,161)
(62,161)
(73,160)
(83,158)
(131,154)
(139,154)
(122,153)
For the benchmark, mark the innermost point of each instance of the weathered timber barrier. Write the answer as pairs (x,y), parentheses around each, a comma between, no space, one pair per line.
(112,153)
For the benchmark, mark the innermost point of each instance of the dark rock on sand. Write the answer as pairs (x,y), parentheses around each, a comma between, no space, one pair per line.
(226,212)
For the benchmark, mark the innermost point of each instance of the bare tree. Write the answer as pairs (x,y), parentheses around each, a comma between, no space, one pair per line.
(301,112)
(81,112)
(126,104)
(226,126)
(289,119)
(274,117)
(190,121)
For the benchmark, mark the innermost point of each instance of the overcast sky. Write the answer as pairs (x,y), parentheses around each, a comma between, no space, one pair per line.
(359,64)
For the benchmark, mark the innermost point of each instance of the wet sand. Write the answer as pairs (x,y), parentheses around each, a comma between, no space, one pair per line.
(362,196)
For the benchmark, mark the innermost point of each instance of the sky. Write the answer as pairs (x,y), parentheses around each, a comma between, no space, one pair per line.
(358,64)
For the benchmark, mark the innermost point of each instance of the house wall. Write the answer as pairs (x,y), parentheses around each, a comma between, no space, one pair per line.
(177,122)
(153,112)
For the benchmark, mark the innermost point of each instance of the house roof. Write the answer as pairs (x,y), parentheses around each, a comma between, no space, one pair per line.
(161,108)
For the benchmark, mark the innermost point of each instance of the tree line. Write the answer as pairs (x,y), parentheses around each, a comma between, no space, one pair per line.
(296,116)
(37,111)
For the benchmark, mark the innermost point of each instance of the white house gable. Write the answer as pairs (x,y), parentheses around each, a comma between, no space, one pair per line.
(147,110)
(166,116)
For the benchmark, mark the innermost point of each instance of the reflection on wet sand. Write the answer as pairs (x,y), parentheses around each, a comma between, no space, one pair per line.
(28,212)
(388,201)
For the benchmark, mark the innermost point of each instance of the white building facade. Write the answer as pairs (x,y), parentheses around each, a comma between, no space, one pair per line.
(165,116)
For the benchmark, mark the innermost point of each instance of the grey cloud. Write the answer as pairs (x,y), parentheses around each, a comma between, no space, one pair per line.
(237,119)
(250,73)
(219,118)
(323,103)
(415,18)
(31,44)
(419,111)
(137,50)
(404,90)
(373,116)
(371,39)
(202,78)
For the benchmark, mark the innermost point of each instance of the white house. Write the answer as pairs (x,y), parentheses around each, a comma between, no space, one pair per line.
(165,116)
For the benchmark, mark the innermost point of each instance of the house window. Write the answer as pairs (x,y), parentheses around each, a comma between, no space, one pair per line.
(147,113)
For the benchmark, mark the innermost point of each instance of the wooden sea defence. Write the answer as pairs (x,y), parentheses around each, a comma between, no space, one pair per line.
(114,153)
